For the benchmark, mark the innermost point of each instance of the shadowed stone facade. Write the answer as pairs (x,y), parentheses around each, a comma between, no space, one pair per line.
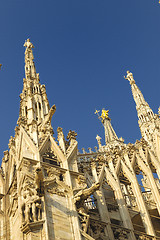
(49,190)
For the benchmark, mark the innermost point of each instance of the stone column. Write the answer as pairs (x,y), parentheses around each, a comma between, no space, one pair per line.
(154,189)
(101,203)
(129,173)
(115,184)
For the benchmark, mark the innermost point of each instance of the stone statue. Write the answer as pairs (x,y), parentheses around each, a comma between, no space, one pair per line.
(31,210)
(36,210)
(31,207)
(129,77)
(99,140)
(26,206)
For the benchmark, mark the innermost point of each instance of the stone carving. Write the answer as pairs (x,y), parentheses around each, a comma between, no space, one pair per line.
(81,181)
(6,156)
(60,132)
(79,200)
(57,191)
(13,199)
(96,230)
(50,157)
(31,209)
(46,124)
(31,204)
(11,142)
(55,186)
(83,194)
(39,181)
(129,77)
(52,172)
(120,234)
(22,121)
(99,141)
(71,135)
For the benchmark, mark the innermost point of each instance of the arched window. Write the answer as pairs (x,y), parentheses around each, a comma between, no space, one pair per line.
(26,112)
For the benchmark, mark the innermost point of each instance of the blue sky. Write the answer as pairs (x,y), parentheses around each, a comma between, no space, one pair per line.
(82,51)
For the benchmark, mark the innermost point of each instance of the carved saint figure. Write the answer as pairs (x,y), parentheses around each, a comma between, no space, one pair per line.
(31,206)
(36,210)
(129,77)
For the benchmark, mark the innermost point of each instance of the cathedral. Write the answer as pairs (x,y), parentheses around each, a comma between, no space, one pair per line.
(51,191)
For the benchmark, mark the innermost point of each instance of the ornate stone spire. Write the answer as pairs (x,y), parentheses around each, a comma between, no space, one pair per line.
(35,112)
(110,134)
(144,112)
(148,121)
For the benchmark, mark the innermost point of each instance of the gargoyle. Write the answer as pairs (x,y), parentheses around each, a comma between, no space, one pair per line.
(83,194)
(46,124)
(79,200)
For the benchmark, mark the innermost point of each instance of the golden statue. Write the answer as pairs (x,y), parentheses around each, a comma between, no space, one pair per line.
(104,114)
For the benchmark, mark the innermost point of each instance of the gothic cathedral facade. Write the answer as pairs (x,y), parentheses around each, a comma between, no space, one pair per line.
(50,191)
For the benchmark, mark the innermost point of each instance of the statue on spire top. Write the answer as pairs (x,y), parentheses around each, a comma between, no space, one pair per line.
(28,44)
(129,77)
(103,116)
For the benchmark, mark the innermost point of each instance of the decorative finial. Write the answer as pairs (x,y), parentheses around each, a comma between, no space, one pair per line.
(28,44)
(103,116)
(129,77)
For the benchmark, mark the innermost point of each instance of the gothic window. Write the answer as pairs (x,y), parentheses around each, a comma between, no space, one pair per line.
(26,111)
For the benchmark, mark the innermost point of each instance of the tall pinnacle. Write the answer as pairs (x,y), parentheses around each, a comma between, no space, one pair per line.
(35,113)
(147,119)
(144,112)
